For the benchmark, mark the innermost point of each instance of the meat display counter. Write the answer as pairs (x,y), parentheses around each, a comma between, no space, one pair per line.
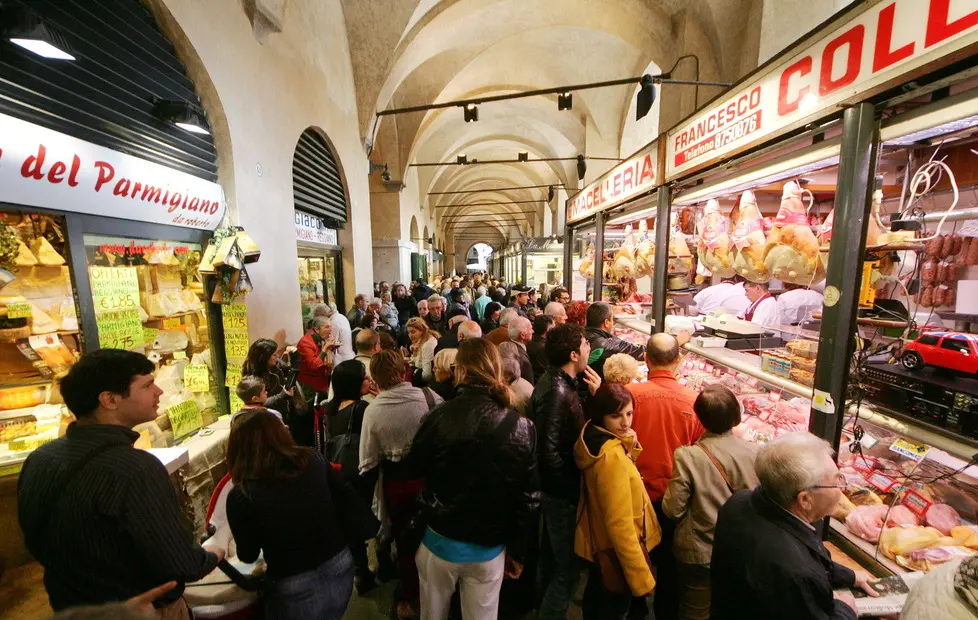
(912,493)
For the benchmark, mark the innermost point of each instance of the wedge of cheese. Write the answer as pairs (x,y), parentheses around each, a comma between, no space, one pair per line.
(45,252)
(25,258)
(41,322)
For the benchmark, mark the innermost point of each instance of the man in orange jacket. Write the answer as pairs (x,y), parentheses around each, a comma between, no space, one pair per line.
(663,421)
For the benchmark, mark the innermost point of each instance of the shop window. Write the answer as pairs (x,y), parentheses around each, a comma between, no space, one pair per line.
(39,335)
(148,298)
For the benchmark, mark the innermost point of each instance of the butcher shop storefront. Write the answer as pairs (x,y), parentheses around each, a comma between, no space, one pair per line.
(814,229)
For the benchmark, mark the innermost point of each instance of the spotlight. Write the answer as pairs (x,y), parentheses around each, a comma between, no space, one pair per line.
(522,156)
(385,176)
(581,167)
(551,193)
(185,115)
(565,101)
(470,112)
(461,160)
(25,28)
(645,98)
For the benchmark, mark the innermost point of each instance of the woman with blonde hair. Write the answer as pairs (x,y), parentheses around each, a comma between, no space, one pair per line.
(620,368)
(476,455)
(423,343)
(444,369)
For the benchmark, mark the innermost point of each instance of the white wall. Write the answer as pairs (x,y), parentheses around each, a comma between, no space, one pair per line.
(269,92)
(785,21)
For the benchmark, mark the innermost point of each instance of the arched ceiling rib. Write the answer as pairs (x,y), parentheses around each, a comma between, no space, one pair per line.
(425,51)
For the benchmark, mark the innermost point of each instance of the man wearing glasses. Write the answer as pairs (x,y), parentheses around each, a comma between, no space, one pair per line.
(768,558)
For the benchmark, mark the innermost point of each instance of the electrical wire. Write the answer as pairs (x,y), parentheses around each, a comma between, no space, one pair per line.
(926,179)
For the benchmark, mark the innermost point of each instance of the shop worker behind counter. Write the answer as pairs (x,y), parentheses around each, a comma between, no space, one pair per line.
(99,515)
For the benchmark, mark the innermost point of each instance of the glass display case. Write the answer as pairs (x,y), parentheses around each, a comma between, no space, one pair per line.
(583,263)
(39,333)
(317,282)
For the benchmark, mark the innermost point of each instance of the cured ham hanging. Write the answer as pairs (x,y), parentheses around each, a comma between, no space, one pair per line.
(749,241)
(714,246)
(791,252)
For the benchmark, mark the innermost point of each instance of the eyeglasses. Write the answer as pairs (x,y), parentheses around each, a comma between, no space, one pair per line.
(839,477)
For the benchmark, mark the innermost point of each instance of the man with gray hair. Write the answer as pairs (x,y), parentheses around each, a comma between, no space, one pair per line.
(501,333)
(557,312)
(437,319)
(768,556)
(520,333)
(481,301)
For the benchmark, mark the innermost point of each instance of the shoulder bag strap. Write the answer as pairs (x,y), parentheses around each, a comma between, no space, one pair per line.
(717,464)
(428,398)
(42,523)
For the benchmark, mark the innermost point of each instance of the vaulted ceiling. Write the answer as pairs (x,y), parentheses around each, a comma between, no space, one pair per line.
(415,52)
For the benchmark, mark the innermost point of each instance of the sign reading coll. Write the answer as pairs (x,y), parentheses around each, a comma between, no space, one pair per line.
(313,229)
(629,178)
(40,167)
(858,55)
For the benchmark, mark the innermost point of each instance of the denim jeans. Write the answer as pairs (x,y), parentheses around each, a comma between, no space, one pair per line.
(319,594)
(560,519)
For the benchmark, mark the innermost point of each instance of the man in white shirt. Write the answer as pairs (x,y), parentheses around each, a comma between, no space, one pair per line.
(763,308)
(728,294)
(797,304)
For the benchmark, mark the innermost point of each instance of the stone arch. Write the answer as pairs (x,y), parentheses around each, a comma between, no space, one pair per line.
(415,235)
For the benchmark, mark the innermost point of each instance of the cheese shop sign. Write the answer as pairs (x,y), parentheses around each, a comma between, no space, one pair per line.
(40,167)
(865,51)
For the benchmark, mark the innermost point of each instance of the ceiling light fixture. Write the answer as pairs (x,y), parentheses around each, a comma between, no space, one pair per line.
(565,101)
(512,161)
(522,156)
(470,112)
(645,97)
(461,160)
(581,167)
(185,115)
(25,28)
(551,192)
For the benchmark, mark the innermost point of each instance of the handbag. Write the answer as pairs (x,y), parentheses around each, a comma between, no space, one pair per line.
(344,449)
(612,574)
(718,465)
(355,515)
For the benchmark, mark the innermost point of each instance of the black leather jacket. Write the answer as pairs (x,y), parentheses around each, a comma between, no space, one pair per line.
(478,459)
(556,410)
(604,345)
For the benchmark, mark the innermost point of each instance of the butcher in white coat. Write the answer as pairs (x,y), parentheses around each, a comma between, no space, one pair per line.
(341,330)
(729,294)
(797,304)
(763,308)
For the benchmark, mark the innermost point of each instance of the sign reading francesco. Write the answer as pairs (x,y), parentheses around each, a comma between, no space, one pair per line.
(857,55)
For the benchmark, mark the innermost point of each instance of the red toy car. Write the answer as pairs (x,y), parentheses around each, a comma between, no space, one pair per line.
(951,350)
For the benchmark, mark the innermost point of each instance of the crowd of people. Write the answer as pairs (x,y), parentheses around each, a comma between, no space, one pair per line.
(452,429)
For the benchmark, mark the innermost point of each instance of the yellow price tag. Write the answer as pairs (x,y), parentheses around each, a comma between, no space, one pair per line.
(233,376)
(235,317)
(120,329)
(149,334)
(179,355)
(171,323)
(910,449)
(236,403)
(197,378)
(19,310)
(114,288)
(236,345)
(184,418)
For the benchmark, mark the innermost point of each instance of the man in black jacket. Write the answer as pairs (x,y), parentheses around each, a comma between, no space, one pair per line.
(536,349)
(600,325)
(768,559)
(477,456)
(558,414)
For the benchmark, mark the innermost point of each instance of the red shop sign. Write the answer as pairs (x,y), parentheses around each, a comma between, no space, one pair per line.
(629,178)
(860,54)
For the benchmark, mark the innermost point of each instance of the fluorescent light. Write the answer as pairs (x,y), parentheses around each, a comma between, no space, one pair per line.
(192,128)
(42,48)
(955,113)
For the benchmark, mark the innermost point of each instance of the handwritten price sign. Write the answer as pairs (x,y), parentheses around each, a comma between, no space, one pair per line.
(236,403)
(235,317)
(236,344)
(114,288)
(149,334)
(171,323)
(120,329)
(197,378)
(233,376)
(184,418)
(19,310)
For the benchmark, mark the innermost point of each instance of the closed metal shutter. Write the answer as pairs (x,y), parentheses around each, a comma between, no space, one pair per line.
(106,95)
(316,180)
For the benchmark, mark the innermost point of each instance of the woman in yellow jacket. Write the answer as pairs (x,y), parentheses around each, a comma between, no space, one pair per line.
(616,525)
